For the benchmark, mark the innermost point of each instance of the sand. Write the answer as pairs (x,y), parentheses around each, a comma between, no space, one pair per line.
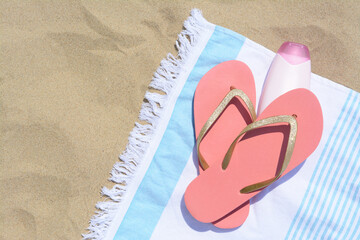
(73,77)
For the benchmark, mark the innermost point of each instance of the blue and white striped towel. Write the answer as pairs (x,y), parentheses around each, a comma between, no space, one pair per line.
(320,199)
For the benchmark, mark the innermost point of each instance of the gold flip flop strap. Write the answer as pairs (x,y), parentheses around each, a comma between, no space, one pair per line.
(289,150)
(219,109)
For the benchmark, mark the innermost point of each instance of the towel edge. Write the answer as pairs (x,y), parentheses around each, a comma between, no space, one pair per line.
(164,80)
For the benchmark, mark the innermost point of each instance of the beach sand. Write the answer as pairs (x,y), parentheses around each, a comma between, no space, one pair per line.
(73,77)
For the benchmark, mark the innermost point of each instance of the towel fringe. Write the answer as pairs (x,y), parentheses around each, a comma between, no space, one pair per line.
(164,80)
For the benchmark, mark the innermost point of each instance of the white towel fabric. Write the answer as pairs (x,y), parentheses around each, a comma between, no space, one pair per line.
(320,199)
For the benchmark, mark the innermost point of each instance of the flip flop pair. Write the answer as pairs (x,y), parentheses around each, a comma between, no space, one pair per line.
(240,153)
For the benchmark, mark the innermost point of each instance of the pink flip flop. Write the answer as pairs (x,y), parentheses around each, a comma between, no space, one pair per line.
(282,137)
(211,89)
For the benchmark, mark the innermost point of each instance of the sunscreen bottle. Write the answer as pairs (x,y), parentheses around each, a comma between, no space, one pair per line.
(290,69)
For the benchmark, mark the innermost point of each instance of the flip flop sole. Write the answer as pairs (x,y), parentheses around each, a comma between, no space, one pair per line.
(216,192)
(210,91)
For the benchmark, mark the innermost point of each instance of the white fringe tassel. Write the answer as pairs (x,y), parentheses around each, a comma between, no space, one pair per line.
(151,111)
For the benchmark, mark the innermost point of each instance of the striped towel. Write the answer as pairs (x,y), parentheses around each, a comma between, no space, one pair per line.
(320,199)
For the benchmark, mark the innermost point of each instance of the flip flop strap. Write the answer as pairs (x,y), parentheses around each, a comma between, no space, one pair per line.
(214,116)
(289,149)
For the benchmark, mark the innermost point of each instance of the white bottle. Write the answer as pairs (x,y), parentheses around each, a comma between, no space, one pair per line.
(290,69)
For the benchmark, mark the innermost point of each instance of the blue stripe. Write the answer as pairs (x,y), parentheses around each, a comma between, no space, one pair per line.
(292,225)
(176,145)
(357,226)
(336,191)
(349,209)
(331,178)
(320,179)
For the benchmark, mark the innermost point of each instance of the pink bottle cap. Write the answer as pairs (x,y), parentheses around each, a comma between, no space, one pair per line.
(294,53)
